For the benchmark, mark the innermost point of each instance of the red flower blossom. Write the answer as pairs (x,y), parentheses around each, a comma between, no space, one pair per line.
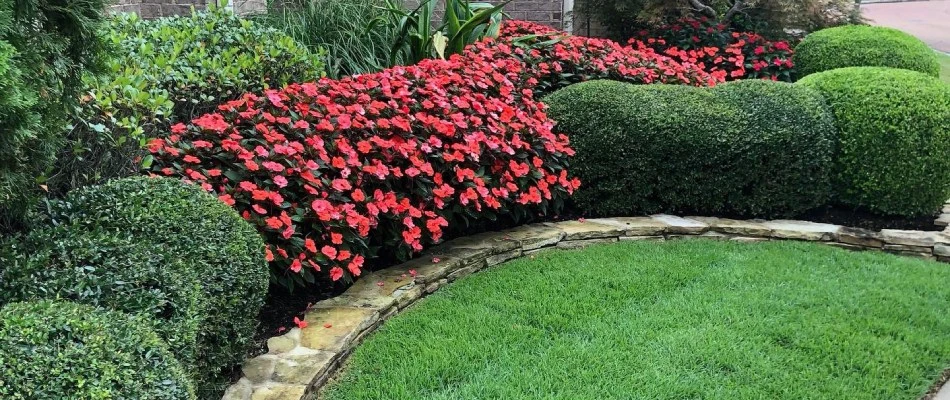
(328,251)
(388,159)
(336,273)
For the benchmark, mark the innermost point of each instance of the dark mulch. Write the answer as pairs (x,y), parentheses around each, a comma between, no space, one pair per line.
(282,306)
(277,315)
(866,220)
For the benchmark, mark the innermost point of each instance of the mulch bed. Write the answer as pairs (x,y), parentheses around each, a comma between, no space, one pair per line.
(862,219)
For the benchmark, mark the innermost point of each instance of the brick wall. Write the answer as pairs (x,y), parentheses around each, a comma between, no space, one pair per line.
(163,8)
(548,12)
(157,8)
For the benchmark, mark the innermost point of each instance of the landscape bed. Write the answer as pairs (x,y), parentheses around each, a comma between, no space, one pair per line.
(211,204)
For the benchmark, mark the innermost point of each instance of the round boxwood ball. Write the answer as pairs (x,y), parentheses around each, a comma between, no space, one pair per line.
(225,250)
(56,350)
(863,46)
(110,270)
(894,138)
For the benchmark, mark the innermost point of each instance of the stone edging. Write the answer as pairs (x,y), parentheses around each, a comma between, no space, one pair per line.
(944,218)
(300,361)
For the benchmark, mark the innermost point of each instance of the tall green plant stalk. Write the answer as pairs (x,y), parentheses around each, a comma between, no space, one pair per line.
(417,38)
(340,27)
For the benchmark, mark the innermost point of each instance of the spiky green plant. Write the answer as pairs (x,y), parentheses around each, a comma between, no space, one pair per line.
(417,38)
(339,27)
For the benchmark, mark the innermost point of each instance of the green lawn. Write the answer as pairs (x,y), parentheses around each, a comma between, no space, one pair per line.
(944,59)
(676,320)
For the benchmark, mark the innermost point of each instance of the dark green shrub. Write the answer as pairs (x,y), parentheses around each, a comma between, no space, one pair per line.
(789,138)
(860,46)
(170,70)
(19,121)
(59,350)
(111,271)
(225,251)
(45,45)
(894,138)
(750,148)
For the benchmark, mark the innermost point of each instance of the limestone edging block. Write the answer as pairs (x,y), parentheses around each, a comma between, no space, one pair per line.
(301,360)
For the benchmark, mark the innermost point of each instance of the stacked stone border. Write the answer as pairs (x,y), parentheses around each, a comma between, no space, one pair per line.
(299,362)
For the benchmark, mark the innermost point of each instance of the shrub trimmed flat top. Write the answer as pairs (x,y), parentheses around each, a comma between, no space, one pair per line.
(683,319)
(863,46)
(752,148)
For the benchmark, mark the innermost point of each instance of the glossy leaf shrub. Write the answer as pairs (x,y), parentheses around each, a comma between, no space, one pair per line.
(54,350)
(731,55)
(864,46)
(112,271)
(749,148)
(168,70)
(226,253)
(894,138)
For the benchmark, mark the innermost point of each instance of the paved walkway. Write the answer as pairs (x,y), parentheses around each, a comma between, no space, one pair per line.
(928,20)
(944,393)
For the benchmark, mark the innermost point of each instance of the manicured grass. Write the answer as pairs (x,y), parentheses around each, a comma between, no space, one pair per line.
(944,60)
(677,320)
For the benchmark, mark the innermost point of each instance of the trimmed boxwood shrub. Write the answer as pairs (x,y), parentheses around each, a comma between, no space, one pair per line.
(58,350)
(225,251)
(750,148)
(112,271)
(789,130)
(859,46)
(894,134)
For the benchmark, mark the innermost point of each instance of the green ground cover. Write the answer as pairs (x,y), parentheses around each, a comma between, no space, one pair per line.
(675,320)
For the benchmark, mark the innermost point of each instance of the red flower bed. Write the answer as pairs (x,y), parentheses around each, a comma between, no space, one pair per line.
(731,55)
(329,170)
(557,59)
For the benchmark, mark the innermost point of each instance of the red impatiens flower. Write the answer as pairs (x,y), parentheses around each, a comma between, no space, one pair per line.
(336,273)
(328,171)
(328,251)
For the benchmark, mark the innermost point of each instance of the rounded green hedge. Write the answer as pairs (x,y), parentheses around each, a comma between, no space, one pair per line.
(894,138)
(750,148)
(226,252)
(861,45)
(59,350)
(111,271)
